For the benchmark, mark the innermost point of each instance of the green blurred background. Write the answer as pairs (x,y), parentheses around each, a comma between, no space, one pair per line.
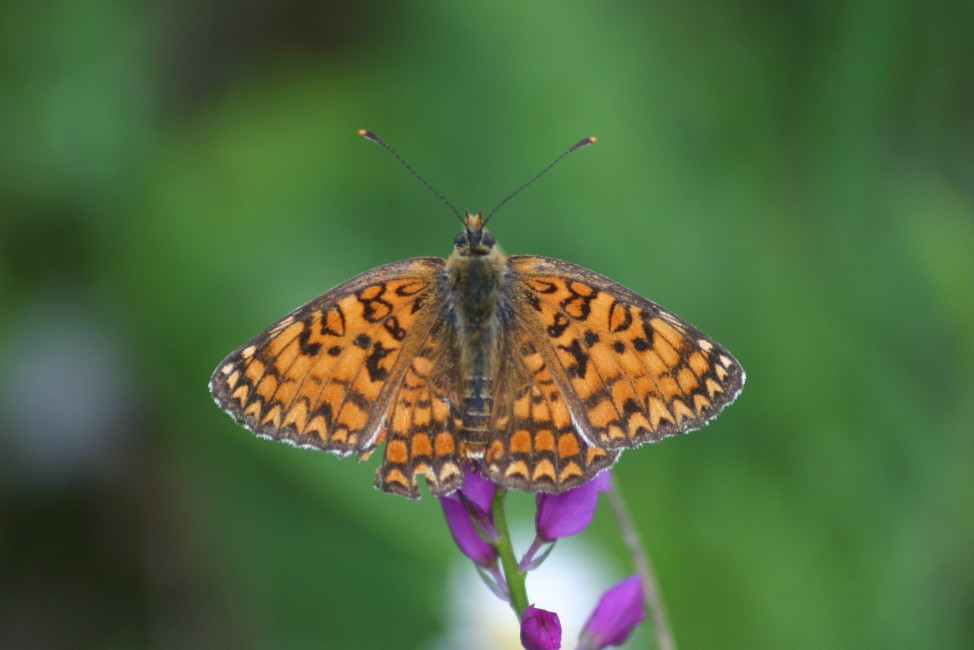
(795,178)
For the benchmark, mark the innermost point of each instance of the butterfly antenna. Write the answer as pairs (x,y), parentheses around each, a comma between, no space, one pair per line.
(368,135)
(578,145)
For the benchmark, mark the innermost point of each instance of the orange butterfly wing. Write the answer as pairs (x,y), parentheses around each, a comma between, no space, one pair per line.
(629,371)
(422,420)
(535,444)
(322,376)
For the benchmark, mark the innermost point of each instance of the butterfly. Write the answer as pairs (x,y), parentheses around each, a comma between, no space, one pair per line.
(537,370)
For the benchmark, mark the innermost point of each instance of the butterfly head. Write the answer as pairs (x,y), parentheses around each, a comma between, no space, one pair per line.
(474,240)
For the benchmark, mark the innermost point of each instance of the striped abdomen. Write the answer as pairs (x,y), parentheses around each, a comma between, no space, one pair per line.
(476,283)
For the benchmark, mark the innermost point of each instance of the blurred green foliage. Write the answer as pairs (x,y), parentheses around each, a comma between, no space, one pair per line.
(795,178)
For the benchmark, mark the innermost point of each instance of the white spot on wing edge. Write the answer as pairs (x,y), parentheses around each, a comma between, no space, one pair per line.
(580,430)
(341,453)
(287,320)
(369,440)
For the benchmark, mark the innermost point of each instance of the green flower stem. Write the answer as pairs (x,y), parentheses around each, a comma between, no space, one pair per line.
(505,549)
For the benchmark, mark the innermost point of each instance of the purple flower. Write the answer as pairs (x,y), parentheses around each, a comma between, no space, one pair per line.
(568,513)
(619,611)
(466,507)
(540,629)
(465,533)
(477,489)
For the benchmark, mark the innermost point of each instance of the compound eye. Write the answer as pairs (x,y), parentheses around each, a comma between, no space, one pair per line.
(461,241)
(488,240)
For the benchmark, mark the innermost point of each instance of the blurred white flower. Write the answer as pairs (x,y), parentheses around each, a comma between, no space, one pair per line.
(66,395)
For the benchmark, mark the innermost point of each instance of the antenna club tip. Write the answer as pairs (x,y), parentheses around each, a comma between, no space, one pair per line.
(368,135)
(583,143)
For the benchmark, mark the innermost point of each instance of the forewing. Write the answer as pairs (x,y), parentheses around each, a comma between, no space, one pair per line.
(323,375)
(534,445)
(631,371)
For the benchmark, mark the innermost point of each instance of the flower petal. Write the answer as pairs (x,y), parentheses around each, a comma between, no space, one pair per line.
(619,611)
(569,513)
(540,629)
(465,533)
(479,490)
